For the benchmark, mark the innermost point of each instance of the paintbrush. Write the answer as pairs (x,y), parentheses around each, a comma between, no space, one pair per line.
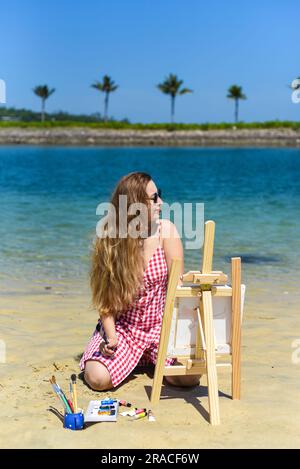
(58,391)
(71,400)
(73,379)
(59,388)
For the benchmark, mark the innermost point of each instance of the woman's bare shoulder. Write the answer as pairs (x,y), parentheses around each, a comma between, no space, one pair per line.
(168,229)
(171,243)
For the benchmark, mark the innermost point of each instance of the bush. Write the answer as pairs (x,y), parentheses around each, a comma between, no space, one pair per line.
(125,124)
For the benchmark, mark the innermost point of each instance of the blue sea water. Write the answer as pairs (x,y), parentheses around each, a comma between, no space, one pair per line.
(49,197)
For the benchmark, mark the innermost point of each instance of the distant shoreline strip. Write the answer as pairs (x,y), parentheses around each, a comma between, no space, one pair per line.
(110,137)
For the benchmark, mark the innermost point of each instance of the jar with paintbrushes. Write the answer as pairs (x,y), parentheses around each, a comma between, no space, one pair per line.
(73,417)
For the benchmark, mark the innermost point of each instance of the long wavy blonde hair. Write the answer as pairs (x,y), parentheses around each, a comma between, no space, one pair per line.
(116,262)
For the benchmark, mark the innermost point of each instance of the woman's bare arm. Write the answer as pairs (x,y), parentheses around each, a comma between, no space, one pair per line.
(172,245)
(109,347)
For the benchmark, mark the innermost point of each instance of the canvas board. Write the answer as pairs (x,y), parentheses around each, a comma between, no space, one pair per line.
(184,324)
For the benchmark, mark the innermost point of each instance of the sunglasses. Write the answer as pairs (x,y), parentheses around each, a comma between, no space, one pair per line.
(155,196)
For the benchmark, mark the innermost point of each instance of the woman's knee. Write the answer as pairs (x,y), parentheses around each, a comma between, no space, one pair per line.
(97,376)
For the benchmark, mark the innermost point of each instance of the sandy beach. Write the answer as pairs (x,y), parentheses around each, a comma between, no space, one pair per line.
(45,332)
(91,137)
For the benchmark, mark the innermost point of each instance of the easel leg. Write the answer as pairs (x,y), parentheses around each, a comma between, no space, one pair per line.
(212,378)
(165,331)
(236,327)
(159,372)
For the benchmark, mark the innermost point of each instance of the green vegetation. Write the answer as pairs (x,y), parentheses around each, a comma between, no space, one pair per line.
(11,117)
(44,93)
(26,115)
(171,86)
(276,124)
(235,92)
(107,86)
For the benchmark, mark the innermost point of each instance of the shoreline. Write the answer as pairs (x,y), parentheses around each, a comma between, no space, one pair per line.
(80,136)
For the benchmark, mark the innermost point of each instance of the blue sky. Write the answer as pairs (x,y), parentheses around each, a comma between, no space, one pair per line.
(210,45)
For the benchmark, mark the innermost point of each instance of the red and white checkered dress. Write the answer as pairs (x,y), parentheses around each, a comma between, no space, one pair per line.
(138,329)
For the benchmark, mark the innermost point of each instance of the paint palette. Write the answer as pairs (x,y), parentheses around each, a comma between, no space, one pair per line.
(105,410)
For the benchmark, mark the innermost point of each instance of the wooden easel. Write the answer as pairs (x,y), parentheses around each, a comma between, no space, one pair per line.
(205,284)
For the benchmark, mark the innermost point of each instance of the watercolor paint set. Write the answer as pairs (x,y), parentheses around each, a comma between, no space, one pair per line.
(105,410)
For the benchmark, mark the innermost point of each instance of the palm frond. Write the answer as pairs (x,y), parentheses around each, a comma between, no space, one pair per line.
(97,85)
(172,85)
(235,92)
(185,90)
(107,85)
(43,91)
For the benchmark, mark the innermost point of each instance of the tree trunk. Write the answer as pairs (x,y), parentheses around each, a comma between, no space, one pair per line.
(106,106)
(236,110)
(43,110)
(172,108)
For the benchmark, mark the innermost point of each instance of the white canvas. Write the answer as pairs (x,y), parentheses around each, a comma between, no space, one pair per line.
(183,331)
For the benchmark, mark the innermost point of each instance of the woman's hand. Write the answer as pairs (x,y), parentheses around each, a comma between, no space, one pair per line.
(110,343)
(109,347)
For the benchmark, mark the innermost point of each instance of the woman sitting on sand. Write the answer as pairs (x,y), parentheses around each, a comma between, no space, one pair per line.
(129,279)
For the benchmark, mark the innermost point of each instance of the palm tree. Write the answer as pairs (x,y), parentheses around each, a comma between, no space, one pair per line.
(43,92)
(171,86)
(235,92)
(107,86)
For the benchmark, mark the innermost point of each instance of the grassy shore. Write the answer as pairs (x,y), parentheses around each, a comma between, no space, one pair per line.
(275,124)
